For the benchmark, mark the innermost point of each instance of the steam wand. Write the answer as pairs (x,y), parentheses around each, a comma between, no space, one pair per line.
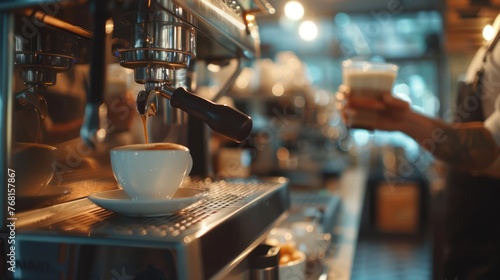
(223,119)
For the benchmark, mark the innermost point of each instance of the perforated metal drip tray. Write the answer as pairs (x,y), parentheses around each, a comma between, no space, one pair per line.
(211,233)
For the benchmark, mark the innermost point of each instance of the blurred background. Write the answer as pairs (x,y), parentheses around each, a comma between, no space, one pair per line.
(378,194)
(298,133)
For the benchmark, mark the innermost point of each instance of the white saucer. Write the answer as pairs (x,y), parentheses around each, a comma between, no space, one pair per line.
(118,201)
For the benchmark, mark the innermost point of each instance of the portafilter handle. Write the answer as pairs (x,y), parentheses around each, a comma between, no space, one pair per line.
(223,119)
(30,97)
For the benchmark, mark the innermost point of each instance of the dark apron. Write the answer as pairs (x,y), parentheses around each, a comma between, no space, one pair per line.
(472,216)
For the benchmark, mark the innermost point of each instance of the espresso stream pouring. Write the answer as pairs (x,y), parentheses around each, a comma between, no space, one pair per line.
(223,119)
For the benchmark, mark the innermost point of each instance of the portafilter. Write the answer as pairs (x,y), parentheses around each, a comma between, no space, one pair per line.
(154,42)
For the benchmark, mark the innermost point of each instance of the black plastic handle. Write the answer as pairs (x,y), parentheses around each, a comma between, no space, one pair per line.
(223,119)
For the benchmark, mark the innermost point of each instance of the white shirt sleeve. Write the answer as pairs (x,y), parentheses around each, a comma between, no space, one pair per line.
(492,123)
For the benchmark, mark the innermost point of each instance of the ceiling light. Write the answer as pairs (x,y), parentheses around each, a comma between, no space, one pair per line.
(308,30)
(294,10)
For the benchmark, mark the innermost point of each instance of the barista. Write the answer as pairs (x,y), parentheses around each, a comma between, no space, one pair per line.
(471,148)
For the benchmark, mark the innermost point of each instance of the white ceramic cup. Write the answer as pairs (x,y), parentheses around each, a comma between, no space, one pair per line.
(33,165)
(367,79)
(151,171)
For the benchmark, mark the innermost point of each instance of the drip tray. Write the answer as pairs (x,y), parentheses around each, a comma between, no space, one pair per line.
(204,240)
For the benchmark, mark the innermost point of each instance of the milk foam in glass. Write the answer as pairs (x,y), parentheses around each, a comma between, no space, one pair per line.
(367,79)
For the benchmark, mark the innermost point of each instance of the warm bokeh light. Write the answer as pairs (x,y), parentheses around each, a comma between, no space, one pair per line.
(278,90)
(294,10)
(308,30)
(488,32)
(214,68)
(283,154)
(299,101)
(109,26)
(270,9)
(242,82)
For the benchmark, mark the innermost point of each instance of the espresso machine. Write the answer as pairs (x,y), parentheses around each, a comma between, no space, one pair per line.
(53,65)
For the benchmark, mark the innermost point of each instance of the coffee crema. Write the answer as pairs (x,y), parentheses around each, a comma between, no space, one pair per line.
(153,147)
(161,148)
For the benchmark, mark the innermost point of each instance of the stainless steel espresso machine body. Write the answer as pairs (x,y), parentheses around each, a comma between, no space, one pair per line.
(59,95)
(210,239)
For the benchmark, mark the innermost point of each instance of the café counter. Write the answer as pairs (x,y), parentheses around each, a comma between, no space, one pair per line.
(351,189)
(348,193)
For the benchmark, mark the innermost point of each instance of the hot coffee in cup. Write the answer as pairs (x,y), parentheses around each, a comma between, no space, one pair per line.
(151,171)
(367,79)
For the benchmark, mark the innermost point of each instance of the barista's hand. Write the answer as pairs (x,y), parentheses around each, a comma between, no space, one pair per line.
(393,112)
